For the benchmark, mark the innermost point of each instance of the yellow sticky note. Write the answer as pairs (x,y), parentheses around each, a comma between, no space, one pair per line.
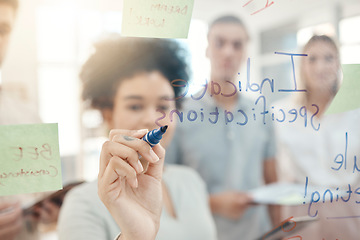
(29,159)
(157,18)
(348,96)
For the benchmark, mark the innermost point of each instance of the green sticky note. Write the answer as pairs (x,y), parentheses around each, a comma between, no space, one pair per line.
(348,96)
(29,159)
(157,18)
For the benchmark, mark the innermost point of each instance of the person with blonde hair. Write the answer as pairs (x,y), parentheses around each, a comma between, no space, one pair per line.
(311,156)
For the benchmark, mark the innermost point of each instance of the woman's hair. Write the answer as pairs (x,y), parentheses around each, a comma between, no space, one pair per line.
(321,38)
(228,19)
(117,58)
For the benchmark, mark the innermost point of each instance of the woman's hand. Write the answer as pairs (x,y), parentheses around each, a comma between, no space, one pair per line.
(133,199)
(10,220)
(47,212)
(230,204)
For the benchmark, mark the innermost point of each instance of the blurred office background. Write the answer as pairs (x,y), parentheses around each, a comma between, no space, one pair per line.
(53,38)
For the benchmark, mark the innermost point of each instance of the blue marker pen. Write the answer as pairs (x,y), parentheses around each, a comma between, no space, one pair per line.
(152,138)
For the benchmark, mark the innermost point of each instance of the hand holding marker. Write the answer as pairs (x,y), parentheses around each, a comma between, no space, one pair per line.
(152,138)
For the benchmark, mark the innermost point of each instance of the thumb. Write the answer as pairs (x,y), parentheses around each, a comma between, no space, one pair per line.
(156,169)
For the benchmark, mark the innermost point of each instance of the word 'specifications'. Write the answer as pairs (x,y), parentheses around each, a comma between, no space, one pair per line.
(260,110)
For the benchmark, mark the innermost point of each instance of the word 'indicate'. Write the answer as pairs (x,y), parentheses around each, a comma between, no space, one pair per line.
(29,159)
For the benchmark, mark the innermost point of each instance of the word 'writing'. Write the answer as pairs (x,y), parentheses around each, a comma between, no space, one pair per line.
(340,163)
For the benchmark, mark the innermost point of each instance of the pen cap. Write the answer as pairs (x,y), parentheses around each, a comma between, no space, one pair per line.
(153,137)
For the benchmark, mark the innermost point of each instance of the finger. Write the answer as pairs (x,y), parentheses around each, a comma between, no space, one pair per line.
(42,215)
(118,168)
(105,157)
(11,230)
(132,133)
(49,212)
(140,146)
(51,207)
(111,149)
(243,198)
(248,198)
(10,216)
(156,169)
(6,205)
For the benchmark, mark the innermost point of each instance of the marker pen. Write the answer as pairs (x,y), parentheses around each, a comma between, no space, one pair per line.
(152,138)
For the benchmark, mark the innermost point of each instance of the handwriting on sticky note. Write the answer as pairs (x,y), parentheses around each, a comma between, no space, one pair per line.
(29,159)
(157,18)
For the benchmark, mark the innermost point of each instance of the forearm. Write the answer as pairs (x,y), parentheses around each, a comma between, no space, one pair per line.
(270,173)
(270,176)
(214,204)
(275,214)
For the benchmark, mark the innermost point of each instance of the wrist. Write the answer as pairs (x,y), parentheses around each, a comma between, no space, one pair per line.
(214,205)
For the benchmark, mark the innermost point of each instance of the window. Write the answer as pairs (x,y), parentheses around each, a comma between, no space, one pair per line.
(350,40)
(304,34)
(63,44)
(196,47)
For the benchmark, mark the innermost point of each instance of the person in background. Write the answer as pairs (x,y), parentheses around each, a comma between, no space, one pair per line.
(129,81)
(231,159)
(14,222)
(304,152)
(12,110)
(11,220)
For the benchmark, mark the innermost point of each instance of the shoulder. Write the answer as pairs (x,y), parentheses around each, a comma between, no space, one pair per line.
(83,215)
(82,198)
(86,191)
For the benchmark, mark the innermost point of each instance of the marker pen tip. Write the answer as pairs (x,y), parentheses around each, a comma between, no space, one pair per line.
(163,128)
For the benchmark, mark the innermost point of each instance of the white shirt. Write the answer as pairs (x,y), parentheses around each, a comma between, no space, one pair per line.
(83,215)
(303,152)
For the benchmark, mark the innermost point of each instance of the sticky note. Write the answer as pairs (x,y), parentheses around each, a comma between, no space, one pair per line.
(29,159)
(157,18)
(348,96)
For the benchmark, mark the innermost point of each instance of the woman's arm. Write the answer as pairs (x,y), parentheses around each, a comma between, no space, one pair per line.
(270,176)
(133,199)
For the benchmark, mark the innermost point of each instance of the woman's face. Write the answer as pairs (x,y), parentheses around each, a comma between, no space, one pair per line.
(320,67)
(137,100)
